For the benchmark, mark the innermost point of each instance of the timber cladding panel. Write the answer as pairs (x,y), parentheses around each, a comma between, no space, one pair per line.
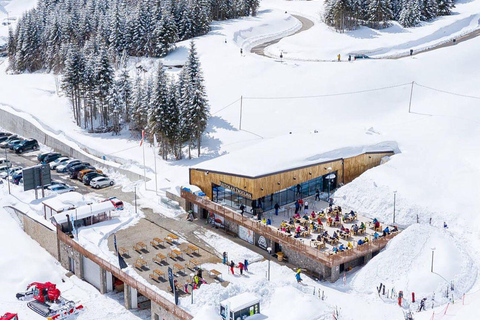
(347,169)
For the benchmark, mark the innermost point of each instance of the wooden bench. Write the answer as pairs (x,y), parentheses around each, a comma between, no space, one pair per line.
(157,274)
(123,251)
(192,248)
(140,263)
(192,263)
(216,274)
(178,267)
(177,253)
(156,242)
(159,258)
(139,246)
(171,237)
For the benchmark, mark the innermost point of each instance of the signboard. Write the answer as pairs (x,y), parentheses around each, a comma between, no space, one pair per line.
(239,191)
(246,234)
(262,242)
(37,176)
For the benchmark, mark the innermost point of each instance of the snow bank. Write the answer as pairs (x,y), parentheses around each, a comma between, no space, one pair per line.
(406,265)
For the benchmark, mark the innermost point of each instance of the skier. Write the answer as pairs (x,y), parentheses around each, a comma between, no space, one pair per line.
(232,265)
(245,265)
(240,266)
(349,58)
(241,51)
(338,57)
(411,52)
(225,258)
(297,276)
(422,304)
(445,225)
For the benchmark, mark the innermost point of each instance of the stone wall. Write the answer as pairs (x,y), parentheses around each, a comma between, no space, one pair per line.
(158,313)
(316,269)
(67,252)
(18,125)
(46,237)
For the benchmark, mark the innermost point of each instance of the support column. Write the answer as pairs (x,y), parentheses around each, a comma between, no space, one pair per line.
(103,281)
(335,275)
(127,296)
(367,258)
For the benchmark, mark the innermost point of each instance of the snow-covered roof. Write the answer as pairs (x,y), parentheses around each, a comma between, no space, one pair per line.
(65,201)
(241,301)
(83,212)
(290,152)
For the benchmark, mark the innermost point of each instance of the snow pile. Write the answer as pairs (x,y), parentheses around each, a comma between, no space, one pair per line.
(406,265)
(235,252)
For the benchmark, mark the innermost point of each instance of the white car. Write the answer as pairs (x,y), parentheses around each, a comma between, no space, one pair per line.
(59,161)
(101,182)
(60,188)
(62,167)
(10,172)
(4,162)
(4,169)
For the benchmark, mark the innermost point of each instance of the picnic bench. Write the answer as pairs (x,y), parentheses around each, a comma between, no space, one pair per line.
(159,258)
(140,263)
(123,251)
(345,235)
(192,248)
(156,242)
(157,274)
(174,253)
(215,273)
(192,263)
(178,267)
(140,246)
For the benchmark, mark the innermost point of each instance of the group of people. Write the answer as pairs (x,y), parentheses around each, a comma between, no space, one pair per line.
(242,266)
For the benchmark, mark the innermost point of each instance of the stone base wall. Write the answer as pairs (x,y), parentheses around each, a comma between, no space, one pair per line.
(158,313)
(316,269)
(67,252)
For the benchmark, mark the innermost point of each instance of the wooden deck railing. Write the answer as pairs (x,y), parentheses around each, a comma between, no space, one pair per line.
(284,239)
(169,306)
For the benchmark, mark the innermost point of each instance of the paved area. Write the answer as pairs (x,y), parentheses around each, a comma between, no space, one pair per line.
(306,24)
(159,256)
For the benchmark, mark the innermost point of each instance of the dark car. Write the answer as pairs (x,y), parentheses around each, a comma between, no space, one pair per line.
(52,156)
(13,143)
(5,134)
(16,178)
(42,156)
(4,142)
(25,145)
(91,175)
(79,167)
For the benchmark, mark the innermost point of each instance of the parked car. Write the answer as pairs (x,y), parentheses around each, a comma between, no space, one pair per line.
(5,134)
(101,182)
(25,145)
(57,162)
(42,156)
(17,178)
(4,161)
(4,169)
(91,175)
(13,143)
(51,157)
(117,203)
(77,168)
(4,143)
(10,172)
(82,173)
(63,167)
(60,188)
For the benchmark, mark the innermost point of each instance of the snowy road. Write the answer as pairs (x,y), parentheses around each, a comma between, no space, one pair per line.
(306,24)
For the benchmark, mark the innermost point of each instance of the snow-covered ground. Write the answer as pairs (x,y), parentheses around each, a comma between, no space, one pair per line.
(436,174)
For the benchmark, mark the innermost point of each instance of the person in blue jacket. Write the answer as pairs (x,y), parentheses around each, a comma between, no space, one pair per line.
(297,276)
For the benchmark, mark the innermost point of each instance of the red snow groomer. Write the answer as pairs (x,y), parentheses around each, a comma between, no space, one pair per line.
(45,299)
(9,316)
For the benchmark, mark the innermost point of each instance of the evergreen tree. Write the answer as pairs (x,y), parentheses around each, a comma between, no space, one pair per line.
(172,124)
(379,12)
(445,7)
(410,14)
(104,78)
(73,79)
(158,104)
(429,10)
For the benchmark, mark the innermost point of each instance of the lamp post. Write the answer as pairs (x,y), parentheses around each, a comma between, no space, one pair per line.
(269,256)
(433,254)
(328,182)
(394,199)
(135,191)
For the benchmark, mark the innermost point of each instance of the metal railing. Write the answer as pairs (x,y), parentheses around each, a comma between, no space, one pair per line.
(284,239)
(169,306)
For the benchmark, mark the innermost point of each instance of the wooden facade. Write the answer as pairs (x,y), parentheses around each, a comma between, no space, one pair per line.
(347,169)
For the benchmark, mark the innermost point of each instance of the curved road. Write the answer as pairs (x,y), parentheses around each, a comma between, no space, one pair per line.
(306,24)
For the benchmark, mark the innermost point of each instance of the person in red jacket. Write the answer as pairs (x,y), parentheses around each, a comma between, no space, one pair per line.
(240,266)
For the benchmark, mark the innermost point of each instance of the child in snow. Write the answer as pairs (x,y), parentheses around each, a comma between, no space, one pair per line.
(297,276)
(245,265)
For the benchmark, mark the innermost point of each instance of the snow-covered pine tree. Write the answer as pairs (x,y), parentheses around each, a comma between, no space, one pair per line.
(125,86)
(11,48)
(104,77)
(445,7)
(158,105)
(410,14)
(73,79)
(429,9)
(116,102)
(339,14)
(172,124)
(380,12)
(194,98)
(137,115)
(90,84)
